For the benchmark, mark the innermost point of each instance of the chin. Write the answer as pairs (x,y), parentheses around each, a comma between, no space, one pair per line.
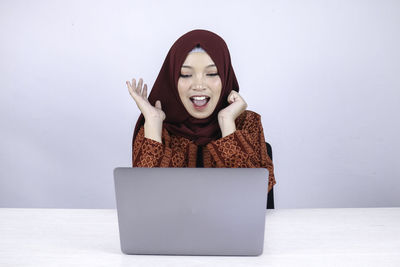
(199,115)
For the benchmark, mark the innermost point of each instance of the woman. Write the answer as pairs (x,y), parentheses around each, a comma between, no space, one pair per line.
(194,115)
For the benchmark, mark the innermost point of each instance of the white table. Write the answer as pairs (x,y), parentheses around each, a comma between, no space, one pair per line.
(294,237)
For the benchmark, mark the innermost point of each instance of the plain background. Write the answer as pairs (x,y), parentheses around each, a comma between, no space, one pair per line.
(324,75)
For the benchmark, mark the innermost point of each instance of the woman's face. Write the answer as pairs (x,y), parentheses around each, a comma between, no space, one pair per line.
(199,85)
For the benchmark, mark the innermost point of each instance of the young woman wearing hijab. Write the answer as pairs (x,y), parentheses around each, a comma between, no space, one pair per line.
(194,115)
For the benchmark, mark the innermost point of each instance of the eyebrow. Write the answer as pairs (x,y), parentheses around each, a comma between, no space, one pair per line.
(189,67)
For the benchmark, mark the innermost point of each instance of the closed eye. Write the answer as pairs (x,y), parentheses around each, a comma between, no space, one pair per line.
(189,75)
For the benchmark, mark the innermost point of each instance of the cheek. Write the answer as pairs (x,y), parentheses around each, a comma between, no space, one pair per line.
(216,86)
(183,86)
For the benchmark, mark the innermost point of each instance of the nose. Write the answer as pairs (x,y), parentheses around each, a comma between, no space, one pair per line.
(199,83)
(198,87)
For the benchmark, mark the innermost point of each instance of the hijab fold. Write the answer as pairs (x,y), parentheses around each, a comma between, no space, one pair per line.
(178,121)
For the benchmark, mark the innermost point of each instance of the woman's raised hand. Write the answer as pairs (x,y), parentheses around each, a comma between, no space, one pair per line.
(228,115)
(236,106)
(151,113)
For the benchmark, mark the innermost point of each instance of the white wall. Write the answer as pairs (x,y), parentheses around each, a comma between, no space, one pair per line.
(324,75)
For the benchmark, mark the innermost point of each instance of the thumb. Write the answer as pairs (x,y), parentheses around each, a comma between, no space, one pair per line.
(158,104)
(231,97)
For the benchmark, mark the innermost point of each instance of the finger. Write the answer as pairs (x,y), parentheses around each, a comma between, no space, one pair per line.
(134,85)
(237,97)
(231,98)
(139,87)
(158,104)
(130,89)
(234,93)
(144,92)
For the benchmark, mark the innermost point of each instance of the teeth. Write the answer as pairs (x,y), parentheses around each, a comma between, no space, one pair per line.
(199,97)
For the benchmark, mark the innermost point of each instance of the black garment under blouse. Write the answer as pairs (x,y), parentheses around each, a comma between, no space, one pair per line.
(199,159)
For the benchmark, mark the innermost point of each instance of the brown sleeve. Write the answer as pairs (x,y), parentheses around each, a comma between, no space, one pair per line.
(149,153)
(244,148)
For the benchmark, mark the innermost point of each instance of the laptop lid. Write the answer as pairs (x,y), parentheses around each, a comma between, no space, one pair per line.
(191,211)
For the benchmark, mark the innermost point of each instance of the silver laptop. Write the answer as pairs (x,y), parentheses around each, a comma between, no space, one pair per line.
(191,211)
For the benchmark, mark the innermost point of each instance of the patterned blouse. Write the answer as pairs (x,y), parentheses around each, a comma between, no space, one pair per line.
(244,148)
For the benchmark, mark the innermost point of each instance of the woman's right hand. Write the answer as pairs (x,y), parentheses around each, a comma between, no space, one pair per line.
(152,114)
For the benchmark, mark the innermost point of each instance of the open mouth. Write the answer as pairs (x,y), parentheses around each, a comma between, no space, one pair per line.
(200,102)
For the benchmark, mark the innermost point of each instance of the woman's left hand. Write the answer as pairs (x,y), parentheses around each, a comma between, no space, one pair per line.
(227,116)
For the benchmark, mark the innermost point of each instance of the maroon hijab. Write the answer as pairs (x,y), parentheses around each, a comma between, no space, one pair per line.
(178,121)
